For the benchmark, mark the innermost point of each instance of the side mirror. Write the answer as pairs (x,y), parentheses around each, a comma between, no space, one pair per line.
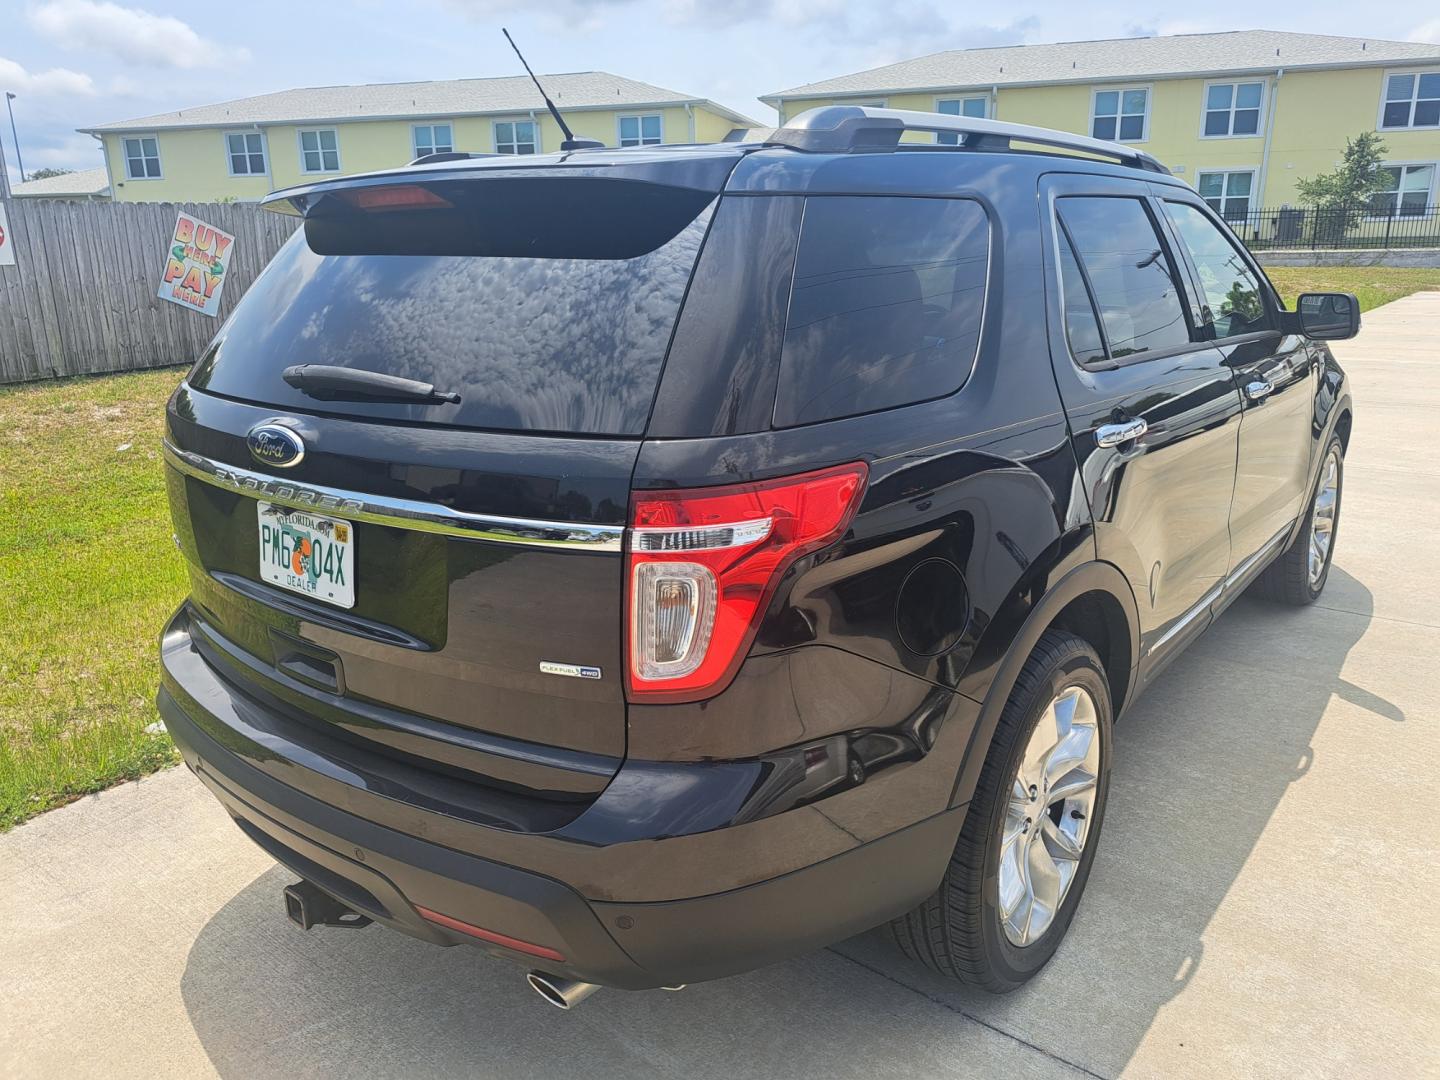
(1328,316)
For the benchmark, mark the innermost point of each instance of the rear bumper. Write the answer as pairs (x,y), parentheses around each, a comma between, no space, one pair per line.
(514,884)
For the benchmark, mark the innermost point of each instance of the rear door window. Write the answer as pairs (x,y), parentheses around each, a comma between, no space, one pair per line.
(1130,274)
(1234,301)
(886,305)
(1082,328)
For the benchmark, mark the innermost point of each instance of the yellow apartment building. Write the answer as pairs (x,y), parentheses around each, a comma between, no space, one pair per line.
(1239,115)
(247,148)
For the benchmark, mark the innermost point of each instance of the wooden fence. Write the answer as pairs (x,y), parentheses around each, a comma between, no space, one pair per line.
(82,297)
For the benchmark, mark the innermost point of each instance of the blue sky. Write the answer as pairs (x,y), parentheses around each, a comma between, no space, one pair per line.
(73,63)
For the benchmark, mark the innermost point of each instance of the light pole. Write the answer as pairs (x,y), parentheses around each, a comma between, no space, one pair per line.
(19,161)
(4,176)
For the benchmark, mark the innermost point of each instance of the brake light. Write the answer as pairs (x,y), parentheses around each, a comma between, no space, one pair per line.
(397,197)
(704,563)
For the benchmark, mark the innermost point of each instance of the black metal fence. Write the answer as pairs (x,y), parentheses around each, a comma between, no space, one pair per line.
(1358,227)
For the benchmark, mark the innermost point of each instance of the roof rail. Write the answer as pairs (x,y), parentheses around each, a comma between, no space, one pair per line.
(445,155)
(838,129)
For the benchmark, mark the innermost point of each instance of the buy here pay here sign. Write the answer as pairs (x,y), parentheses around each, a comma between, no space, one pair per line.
(196,265)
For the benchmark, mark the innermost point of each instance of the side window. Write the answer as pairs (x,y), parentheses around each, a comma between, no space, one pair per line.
(1082,328)
(1129,271)
(886,305)
(1234,302)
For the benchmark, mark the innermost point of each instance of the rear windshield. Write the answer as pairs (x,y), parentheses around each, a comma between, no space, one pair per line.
(553,344)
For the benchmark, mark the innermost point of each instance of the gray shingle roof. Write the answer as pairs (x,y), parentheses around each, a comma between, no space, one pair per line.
(85,182)
(453,97)
(1117,58)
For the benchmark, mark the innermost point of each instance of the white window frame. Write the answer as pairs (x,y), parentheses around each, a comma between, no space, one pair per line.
(1236,83)
(300,134)
(1430,193)
(495,135)
(1414,97)
(641,118)
(432,125)
(1227,171)
(1122,89)
(983,98)
(125,155)
(229,157)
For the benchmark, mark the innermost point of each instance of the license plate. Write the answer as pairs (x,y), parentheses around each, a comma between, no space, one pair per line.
(308,554)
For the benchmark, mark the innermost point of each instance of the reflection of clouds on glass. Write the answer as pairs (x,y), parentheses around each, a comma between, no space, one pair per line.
(538,344)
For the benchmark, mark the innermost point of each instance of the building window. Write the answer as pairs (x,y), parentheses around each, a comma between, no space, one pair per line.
(516,137)
(432,139)
(142,158)
(976,107)
(1233,109)
(1411,101)
(320,151)
(1407,193)
(640,130)
(246,151)
(1228,193)
(1121,115)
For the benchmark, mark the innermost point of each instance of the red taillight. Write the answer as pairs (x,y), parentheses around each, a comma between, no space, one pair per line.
(397,197)
(704,563)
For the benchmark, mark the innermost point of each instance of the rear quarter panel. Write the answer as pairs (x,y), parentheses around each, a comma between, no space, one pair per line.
(983,480)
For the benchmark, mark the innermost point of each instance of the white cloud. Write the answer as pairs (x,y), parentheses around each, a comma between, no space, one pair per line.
(123,86)
(884,34)
(1426,31)
(55,81)
(72,151)
(557,16)
(131,34)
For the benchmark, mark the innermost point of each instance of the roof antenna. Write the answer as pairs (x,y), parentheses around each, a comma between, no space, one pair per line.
(570,142)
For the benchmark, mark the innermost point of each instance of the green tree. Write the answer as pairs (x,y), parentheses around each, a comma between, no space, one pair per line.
(46,174)
(1344,194)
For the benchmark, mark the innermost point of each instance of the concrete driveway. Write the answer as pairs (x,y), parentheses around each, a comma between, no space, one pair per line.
(1265,901)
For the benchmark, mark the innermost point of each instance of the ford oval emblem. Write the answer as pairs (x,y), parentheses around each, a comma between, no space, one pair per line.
(271,444)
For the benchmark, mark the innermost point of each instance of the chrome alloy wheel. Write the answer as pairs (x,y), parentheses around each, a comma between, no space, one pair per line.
(1322,520)
(1048,817)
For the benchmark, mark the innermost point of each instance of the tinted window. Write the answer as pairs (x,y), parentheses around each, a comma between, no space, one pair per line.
(1234,303)
(886,305)
(1131,275)
(1082,329)
(535,344)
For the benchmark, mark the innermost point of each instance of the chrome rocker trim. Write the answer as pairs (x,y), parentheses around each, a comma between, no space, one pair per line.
(410,514)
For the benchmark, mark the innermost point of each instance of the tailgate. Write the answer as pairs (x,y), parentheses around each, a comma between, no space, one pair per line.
(485,631)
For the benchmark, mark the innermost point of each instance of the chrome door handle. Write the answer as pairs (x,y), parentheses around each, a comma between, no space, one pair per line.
(1258,390)
(1123,432)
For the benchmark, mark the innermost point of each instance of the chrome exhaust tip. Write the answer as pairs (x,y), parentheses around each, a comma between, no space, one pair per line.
(562,993)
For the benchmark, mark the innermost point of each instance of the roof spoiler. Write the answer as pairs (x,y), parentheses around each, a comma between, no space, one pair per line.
(841,129)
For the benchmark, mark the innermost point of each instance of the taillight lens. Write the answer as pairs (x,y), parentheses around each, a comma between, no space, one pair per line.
(704,563)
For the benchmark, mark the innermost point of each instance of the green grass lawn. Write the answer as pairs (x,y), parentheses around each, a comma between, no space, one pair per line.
(1374,285)
(88,574)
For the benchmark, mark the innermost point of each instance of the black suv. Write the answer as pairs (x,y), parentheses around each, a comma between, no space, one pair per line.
(649,564)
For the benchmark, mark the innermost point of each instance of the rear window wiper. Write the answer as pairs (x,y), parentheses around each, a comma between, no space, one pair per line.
(328,383)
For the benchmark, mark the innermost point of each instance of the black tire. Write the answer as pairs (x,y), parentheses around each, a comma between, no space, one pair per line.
(1287,579)
(958,930)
